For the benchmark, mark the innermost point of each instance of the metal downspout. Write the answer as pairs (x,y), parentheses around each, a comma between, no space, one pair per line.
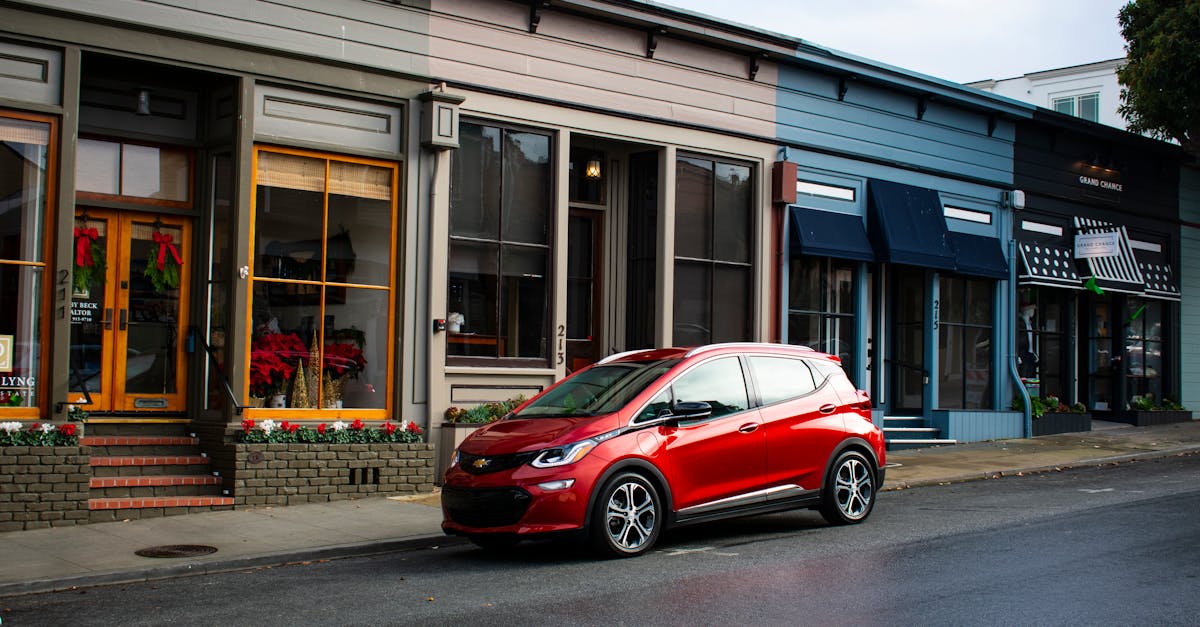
(1012,340)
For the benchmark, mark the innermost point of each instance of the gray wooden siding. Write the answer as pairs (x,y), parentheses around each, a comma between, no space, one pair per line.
(1189,341)
(879,124)
(576,60)
(978,426)
(377,35)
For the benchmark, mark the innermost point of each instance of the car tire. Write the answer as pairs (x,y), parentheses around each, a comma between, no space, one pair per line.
(849,494)
(627,516)
(494,542)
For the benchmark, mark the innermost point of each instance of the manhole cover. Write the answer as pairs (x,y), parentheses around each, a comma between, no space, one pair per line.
(177,550)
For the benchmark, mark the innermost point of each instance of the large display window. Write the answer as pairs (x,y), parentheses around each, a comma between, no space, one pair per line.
(26,181)
(322,284)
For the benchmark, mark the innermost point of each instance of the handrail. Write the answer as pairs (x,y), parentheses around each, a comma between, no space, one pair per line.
(78,376)
(212,356)
(904,364)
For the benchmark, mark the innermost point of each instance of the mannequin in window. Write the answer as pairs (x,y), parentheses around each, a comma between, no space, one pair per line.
(1027,357)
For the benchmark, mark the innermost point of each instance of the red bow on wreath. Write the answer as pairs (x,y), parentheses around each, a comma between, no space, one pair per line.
(164,244)
(84,238)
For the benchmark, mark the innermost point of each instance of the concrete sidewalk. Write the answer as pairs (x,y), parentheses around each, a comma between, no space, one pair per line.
(65,557)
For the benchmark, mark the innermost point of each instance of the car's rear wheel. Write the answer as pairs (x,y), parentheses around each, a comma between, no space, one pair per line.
(627,517)
(849,492)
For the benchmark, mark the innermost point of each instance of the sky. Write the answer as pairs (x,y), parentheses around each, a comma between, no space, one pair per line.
(956,40)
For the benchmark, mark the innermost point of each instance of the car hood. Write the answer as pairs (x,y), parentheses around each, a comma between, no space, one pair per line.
(531,434)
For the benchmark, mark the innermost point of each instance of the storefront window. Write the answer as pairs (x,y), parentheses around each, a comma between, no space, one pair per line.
(821,306)
(713,268)
(24,185)
(1144,350)
(500,208)
(133,171)
(1042,342)
(966,311)
(324,262)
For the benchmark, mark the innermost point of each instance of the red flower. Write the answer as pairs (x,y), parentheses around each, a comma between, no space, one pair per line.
(413,428)
(293,428)
(273,360)
(321,428)
(67,429)
(357,425)
(247,425)
(341,358)
(389,427)
(35,426)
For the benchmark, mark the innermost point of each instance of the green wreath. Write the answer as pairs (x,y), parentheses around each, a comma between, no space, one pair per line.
(89,260)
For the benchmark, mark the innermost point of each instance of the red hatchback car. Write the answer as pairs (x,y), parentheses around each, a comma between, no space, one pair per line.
(647,440)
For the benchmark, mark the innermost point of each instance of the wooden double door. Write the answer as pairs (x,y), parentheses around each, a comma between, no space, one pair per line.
(129,311)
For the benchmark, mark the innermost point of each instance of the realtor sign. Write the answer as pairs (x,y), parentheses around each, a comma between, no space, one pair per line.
(1089,245)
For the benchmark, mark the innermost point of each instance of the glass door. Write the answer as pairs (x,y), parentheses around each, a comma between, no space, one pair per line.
(583,288)
(906,366)
(127,315)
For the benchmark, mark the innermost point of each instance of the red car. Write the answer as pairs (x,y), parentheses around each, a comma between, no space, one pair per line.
(648,440)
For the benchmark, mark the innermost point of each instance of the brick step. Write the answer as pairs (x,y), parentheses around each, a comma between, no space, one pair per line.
(158,502)
(137,428)
(147,450)
(153,481)
(138,440)
(148,460)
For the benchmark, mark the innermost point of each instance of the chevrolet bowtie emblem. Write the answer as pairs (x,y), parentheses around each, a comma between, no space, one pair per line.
(481,463)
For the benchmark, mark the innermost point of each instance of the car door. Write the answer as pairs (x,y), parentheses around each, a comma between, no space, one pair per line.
(802,420)
(720,458)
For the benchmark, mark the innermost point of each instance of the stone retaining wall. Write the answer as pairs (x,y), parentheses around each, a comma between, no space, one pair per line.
(290,474)
(43,486)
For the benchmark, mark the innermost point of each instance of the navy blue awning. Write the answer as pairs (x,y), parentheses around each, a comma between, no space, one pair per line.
(979,256)
(829,234)
(908,225)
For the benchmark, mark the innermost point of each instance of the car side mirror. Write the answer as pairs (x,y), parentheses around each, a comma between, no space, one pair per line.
(691,410)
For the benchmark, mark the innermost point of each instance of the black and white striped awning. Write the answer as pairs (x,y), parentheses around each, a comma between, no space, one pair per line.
(1117,273)
(1161,281)
(1048,265)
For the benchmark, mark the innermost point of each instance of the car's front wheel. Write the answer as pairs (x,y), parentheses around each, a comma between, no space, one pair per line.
(849,492)
(627,517)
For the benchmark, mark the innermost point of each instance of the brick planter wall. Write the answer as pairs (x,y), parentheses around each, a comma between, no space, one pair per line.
(43,486)
(290,474)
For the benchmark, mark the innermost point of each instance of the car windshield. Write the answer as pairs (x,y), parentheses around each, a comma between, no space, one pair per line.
(598,390)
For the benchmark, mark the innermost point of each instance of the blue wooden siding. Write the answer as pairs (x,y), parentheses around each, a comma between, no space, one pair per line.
(882,125)
(978,426)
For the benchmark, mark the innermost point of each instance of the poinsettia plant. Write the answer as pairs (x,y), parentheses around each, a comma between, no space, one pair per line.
(38,434)
(342,359)
(273,360)
(339,432)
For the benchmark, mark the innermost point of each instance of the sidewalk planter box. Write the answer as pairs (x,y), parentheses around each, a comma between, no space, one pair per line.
(290,474)
(1054,422)
(977,426)
(44,486)
(1144,418)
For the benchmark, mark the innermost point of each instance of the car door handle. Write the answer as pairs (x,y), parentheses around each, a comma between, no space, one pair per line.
(749,427)
(828,408)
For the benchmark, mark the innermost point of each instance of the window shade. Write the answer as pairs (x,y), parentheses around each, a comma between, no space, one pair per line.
(24,132)
(360,180)
(291,172)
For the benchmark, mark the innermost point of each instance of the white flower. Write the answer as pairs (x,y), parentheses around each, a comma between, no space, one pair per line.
(339,426)
(10,427)
(267,426)
(46,428)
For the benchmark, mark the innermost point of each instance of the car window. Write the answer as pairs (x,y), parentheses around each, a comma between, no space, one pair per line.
(657,404)
(598,390)
(827,370)
(781,378)
(718,383)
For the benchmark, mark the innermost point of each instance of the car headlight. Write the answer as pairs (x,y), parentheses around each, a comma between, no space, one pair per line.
(454,459)
(569,453)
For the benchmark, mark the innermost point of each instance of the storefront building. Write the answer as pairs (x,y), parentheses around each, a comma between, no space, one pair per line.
(1098,318)
(374,211)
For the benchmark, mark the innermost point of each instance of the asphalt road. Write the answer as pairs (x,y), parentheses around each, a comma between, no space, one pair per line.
(1114,545)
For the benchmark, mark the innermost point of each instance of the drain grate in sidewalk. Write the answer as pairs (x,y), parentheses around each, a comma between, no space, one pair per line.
(177,550)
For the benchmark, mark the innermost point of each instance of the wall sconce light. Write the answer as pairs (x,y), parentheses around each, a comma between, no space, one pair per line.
(143,102)
(592,169)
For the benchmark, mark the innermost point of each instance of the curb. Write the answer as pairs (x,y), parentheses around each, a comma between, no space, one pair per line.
(1082,463)
(263,560)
